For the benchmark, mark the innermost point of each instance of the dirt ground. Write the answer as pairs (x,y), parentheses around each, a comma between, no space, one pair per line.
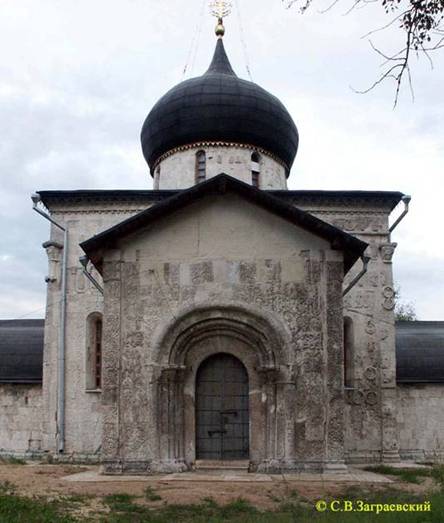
(47,480)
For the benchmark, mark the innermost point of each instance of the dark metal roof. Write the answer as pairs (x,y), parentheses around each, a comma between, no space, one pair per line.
(222,184)
(219,107)
(50,198)
(420,351)
(365,199)
(306,197)
(21,351)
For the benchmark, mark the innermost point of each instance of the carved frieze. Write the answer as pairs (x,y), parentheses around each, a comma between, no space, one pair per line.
(359,223)
(363,299)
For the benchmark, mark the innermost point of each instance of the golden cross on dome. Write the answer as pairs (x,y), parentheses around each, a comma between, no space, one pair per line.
(220,9)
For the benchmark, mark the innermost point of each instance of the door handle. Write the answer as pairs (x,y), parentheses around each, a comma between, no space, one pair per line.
(233,412)
(212,432)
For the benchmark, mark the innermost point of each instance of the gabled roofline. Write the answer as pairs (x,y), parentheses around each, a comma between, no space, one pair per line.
(313,197)
(221,184)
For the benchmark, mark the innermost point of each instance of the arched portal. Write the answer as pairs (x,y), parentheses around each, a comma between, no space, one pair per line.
(222,409)
(184,348)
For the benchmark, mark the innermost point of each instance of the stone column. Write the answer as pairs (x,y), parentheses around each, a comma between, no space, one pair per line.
(390,443)
(111,450)
(54,251)
(268,378)
(170,420)
(335,437)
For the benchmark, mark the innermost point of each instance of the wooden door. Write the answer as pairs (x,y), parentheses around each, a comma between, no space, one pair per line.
(222,417)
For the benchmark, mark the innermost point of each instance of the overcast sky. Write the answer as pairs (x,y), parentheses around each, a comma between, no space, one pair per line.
(77,79)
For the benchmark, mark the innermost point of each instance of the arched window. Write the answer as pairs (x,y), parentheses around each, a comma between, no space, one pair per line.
(255,169)
(201,166)
(94,351)
(349,352)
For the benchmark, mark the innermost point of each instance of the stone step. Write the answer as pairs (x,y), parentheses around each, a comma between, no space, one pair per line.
(235,465)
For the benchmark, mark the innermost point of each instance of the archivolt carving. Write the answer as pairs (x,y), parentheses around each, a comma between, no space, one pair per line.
(261,343)
(267,335)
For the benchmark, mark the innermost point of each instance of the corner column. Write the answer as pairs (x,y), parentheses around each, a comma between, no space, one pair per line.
(111,452)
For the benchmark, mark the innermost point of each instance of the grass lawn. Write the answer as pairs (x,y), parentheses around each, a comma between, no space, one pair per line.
(292,508)
(410,475)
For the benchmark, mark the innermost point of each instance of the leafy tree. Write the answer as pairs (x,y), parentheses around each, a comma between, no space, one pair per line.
(422,25)
(404,311)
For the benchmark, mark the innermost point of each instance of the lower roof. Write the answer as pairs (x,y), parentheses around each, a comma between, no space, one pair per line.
(21,351)
(420,352)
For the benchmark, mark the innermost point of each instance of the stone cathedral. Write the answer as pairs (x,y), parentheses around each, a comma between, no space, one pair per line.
(221,316)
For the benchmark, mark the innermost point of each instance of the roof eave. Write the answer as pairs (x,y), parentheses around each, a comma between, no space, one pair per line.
(20,381)
(353,247)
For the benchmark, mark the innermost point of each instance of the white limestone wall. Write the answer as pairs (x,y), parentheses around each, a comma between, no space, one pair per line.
(222,252)
(20,419)
(420,417)
(370,402)
(83,407)
(178,171)
(372,405)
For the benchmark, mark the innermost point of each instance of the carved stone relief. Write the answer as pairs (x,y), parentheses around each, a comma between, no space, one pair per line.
(388,295)
(54,252)
(387,250)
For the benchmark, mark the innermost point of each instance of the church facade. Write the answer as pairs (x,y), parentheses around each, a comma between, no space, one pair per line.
(221,316)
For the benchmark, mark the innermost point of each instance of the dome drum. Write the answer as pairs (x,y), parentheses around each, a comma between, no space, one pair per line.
(178,170)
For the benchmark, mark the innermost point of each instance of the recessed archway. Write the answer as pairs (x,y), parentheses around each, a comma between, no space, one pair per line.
(259,343)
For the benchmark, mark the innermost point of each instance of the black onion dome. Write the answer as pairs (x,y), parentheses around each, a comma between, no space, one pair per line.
(219,107)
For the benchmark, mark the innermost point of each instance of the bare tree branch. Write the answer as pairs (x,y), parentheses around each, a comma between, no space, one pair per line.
(396,19)
(422,23)
(329,7)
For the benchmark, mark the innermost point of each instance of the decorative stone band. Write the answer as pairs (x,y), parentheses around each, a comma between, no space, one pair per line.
(197,145)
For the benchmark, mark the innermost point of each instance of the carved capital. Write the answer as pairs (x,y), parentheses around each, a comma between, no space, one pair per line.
(54,252)
(172,373)
(269,374)
(387,250)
